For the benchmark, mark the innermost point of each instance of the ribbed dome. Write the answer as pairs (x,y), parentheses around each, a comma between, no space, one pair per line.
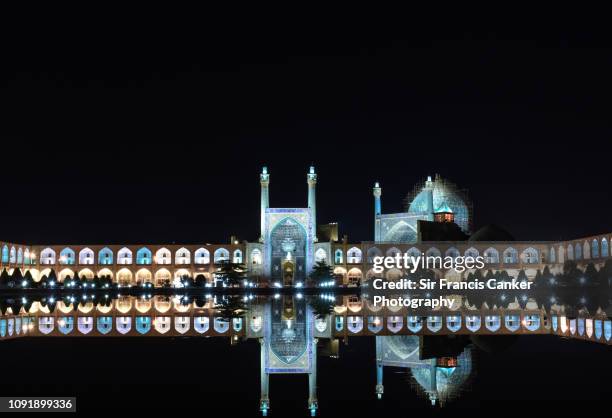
(491,232)
(446,196)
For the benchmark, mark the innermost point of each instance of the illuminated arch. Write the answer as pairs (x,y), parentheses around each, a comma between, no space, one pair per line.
(472,252)
(237,256)
(586,253)
(162,277)
(595,248)
(65,273)
(86,273)
(105,256)
(353,255)
(354,276)
(338,256)
(47,256)
(163,256)
(256,257)
(124,256)
(510,256)
(182,256)
(67,256)
(124,277)
(20,256)
(320,255)
(105,273)
(221,255)
(13,256)
(144,256)
(86,256)
(144,276)
(202,256)
(491,256)
(5,254)
(530,256)
(373,252)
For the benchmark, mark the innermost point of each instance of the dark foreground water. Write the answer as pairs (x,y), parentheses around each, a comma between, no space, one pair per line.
(151,374)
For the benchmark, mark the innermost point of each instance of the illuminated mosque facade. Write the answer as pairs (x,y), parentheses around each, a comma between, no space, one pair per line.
(291,242)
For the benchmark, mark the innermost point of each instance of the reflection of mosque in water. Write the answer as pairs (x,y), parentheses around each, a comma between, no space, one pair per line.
(436,349)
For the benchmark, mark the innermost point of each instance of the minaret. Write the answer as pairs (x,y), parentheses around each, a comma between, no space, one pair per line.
(264,180)
(311,179)
(429,189)
(377,191)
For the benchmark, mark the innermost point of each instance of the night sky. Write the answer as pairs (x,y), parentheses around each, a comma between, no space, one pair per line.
(136,138)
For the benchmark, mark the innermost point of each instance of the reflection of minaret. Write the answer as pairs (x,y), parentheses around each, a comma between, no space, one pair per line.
(264,180)
(264,399)
(313,404)
(311,179)
(377,191)
(288,346)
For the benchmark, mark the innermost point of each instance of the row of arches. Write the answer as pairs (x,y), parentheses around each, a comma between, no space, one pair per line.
(143,256)
(124,276)
(415,324)
(580,251)
(15,255)
(491,255)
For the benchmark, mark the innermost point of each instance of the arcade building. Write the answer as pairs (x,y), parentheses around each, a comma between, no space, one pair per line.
(437,221)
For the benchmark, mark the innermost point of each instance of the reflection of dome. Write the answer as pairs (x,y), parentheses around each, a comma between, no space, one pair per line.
(445,195)
(403,346)
(491,232)
(444,383)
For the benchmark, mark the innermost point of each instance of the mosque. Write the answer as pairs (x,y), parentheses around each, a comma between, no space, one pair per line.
(437,221)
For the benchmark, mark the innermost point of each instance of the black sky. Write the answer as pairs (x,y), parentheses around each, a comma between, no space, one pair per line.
(157,138)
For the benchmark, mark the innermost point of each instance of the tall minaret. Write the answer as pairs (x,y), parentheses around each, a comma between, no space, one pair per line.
(311,179)
(264,180)
(377,191)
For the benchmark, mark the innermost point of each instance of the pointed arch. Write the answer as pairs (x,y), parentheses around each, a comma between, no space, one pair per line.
(221,255)
(144,256)
(338,256)
(67,256)
(202,256)
(124,256)
(182,256)
(144,276)
(105,256)
(353,255)
(124,277)
(163,278)
(86,256)
(163,256)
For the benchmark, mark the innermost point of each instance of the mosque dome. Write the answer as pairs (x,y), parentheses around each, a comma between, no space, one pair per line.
(491,232)
(446,196)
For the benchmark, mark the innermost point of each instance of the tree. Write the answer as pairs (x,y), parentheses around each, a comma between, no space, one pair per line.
(4,278)
(322,272)
(52,278)
(231,274)
(200,280)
